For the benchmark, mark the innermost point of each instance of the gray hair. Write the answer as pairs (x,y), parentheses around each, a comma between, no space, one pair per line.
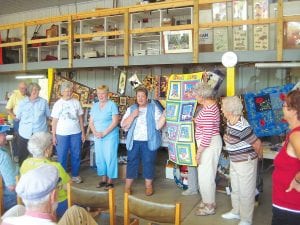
(38,144)
(204,90)
(232,104)
(65,85)
(37,202)
(33,85)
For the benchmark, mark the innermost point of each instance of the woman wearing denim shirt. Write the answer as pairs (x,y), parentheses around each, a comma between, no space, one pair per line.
(32,112)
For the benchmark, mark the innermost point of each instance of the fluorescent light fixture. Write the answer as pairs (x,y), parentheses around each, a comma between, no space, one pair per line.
(278,65)
(37,76)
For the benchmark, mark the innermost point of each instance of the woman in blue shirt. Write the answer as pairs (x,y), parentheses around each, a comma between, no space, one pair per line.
(104,122)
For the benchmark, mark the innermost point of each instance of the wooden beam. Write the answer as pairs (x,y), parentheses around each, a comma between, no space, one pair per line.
(279,30)
(196,32)
(126,38)
(164,28)
(70,42)
(24,47)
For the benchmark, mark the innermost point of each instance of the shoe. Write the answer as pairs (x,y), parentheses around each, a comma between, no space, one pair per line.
(189,192)
(101,184)
(206,211)
(108,186)
(77,180)
(202,205)
(244,223)
(148,191)
(230,216)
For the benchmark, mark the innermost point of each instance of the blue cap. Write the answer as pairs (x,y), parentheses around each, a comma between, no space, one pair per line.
(4,128)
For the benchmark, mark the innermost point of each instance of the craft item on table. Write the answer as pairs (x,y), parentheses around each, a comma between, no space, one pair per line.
(180,109)
(264,110)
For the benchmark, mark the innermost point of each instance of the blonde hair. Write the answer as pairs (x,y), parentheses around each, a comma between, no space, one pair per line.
(102,88)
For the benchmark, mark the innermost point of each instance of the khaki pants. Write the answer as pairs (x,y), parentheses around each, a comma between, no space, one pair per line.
(77,216)
(207,170)
(243,184)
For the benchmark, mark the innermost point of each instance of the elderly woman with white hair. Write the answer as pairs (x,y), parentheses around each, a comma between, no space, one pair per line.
(33,112)
(68,130)
(209,146)
(243,148)
(40,146)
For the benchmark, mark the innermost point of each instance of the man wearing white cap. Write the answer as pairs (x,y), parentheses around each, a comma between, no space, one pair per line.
(8,172)
(38,190)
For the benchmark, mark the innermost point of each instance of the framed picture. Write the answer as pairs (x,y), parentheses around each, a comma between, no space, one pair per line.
(239,9)
(172,111)
(240,38)
(172,152)
(260,9)
(292,35)
(220,39)
(178,41)
(172,130)
(122,83)
(184,154)
(188,90)
(261,37)
(76,95)
(163,86)
(175,90)
(187,111)
(219,11)
(185,133)
(123,100)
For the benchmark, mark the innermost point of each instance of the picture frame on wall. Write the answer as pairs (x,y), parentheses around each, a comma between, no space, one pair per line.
(292,35)
(240,38)
(178,41)
(123,100)
(261,37)
(239,9)
(260,9)
(122,83)
(219,11)
(221,39)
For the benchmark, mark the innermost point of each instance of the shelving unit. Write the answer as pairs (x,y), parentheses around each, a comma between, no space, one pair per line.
(121,36)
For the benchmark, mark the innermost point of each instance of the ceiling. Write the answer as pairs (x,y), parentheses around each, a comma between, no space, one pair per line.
(13,6)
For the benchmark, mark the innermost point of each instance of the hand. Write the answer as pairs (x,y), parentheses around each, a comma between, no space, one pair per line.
(11,188)
(83,137)
(293,185)
(135,113)
(54,141)
(198,157)
(98,134)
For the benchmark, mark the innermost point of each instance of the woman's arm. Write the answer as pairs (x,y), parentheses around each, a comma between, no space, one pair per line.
(82,128)
(54,125)
(127,121)
(114,123)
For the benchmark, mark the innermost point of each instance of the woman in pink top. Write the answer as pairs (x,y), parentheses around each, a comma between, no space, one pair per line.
(286,175)
(209,146)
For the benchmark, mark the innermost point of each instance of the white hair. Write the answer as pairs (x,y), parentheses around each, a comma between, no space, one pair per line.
(37,202)
(232,104)
(204,90)
(38,144)
(65,85)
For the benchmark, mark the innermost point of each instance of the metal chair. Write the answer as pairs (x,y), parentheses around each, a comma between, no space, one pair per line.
(91,199)
(150,211)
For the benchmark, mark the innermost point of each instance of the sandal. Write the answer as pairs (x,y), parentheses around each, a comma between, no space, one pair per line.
(108,186)
(202,205)
(205,211)
(101,184)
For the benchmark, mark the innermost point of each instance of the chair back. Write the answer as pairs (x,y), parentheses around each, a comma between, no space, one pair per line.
(151,211)
(19,199)
(1,197)
(103,200)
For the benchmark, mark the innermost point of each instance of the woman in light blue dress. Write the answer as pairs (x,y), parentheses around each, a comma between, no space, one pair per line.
(104,120)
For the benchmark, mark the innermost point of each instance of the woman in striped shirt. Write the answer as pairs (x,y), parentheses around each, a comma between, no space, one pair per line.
(243,148)
(209,146)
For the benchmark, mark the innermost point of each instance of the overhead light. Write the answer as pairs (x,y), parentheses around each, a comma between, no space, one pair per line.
(278,65)
(38,76)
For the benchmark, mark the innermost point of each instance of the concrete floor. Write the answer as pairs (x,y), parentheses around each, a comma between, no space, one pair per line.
(166,191)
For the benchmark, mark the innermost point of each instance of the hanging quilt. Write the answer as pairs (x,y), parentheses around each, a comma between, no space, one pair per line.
(180,108)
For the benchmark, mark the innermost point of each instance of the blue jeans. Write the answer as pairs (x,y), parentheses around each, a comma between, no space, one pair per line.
(10,198)
(140,152)
(284,217)
(64,144)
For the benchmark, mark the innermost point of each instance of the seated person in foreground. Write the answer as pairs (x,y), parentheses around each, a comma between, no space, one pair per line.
(8,172)
(40,146)
(38,190)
